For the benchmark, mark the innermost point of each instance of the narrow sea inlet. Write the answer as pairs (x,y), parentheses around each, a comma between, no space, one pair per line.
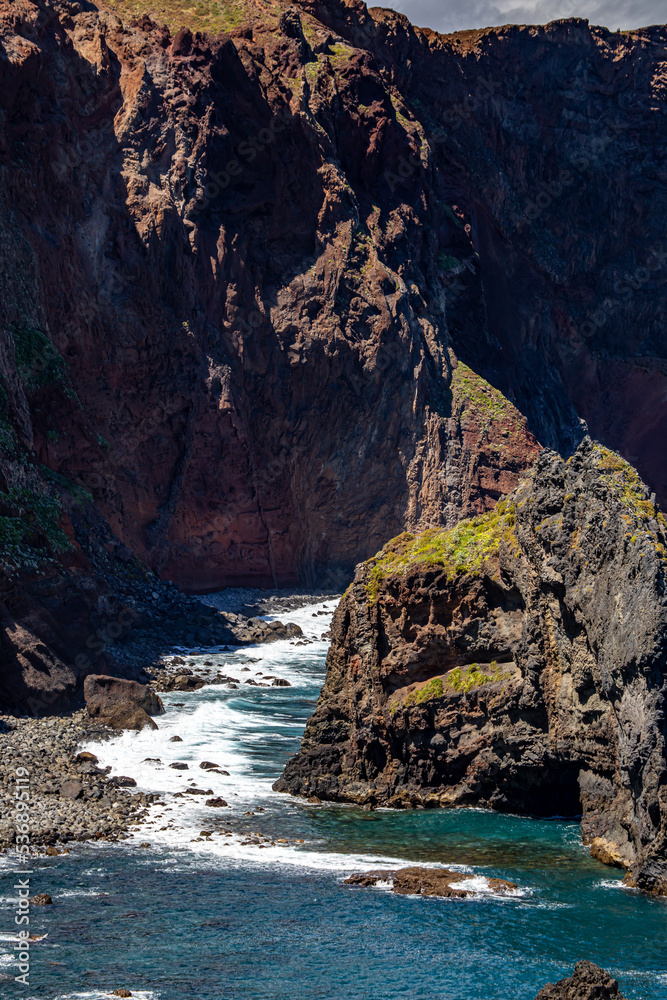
(247,901)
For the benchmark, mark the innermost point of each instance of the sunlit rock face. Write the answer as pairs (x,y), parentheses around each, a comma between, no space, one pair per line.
(516,661)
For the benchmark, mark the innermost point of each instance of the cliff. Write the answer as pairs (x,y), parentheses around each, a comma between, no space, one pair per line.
(255,252)
(272,295)
(516,661)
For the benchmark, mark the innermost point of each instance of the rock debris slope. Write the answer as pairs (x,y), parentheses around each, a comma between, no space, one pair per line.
(516,661)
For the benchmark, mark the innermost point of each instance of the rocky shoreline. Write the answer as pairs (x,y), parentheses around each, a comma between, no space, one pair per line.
(70,797)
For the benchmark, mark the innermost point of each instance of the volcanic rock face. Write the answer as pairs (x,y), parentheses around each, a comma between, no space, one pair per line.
(252,374)
(254,255)
(516,661)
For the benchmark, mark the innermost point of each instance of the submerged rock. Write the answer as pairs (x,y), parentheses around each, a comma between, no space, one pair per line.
(589,982)
(516,661)
(441,882)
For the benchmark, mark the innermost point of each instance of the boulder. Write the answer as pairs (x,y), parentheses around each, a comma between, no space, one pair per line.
(71,790)
(128,717)
(105,696)
(41,899)
(216,803)
(589,982)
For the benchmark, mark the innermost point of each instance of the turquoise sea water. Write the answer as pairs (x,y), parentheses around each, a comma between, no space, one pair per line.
(227,919)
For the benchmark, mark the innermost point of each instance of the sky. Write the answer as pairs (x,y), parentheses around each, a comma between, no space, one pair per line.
(457,15)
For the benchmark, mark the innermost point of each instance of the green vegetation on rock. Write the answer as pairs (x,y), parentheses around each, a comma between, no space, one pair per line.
(447,262)
(38,362)
(466,548)
(627,486)
(473,676)
(470,389)
(430,691)
(460,680)
(30,529)
(212,16)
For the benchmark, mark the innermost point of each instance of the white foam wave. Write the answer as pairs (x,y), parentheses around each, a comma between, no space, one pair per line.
(104,995)
(238,730)
(610,883)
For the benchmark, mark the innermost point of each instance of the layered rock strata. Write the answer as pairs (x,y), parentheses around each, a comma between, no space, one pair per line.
(516,661)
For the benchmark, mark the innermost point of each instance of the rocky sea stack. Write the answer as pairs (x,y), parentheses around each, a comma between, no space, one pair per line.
(515,661)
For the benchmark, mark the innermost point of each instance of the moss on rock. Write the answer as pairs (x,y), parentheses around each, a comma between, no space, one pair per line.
(465,549)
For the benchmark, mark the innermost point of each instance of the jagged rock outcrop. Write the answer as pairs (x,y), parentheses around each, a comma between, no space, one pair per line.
(440,882)
(517,661)
(588,982)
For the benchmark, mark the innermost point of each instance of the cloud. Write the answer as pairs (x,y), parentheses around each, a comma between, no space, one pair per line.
(458,15)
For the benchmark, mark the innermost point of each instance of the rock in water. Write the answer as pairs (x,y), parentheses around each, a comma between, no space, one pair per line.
(515,661)
(589,982)
(432,882)
(41,899)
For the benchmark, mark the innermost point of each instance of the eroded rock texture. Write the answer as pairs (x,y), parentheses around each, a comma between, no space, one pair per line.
(588,982)
(255,254)
(516,661)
